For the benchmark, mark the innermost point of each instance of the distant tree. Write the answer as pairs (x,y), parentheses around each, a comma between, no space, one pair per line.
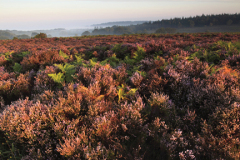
(95,31)
(41,35)
(229,22)
(191,23)
(6,35)
(122,30)
(34,34)
(160,30)
(170,30)
(86,33)
(215,21)
(49,36)
(23,36)
(3,37)
(166,30)
(145,31)
(179,25)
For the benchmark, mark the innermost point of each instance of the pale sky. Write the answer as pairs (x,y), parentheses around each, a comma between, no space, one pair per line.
(72,14)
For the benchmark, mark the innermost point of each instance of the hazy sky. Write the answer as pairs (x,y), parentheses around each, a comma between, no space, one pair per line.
(69,14)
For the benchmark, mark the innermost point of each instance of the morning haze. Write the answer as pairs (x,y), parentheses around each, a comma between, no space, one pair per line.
(71,14)
(77,16)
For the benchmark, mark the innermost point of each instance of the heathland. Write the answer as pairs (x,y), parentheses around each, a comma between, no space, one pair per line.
(148,96)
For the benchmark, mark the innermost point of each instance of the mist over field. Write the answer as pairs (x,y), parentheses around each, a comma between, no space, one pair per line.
(76,14)
(74,17)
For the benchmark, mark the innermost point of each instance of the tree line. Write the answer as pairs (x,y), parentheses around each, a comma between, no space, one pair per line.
(170,24)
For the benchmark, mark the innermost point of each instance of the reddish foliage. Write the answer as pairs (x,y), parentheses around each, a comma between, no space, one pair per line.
(122,97)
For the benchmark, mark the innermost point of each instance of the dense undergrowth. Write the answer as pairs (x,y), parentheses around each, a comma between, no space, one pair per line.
(121,97)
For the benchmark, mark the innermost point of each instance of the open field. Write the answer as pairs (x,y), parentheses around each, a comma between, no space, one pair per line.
(121,97)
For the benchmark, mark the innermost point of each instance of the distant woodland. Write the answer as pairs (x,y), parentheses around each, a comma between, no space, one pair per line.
(203,23)
(119,23)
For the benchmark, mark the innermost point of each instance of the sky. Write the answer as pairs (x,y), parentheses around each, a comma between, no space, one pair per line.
(73,14)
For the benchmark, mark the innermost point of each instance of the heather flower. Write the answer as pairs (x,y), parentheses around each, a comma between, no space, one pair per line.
(136,79)
(187,155)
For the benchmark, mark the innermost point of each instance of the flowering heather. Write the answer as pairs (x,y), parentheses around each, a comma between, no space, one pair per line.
(121,97)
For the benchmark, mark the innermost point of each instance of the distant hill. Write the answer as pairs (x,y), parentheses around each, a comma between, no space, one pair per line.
(58,32)
(119,23)
(6,35)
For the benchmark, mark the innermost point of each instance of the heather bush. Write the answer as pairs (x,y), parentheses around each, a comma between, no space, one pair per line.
(3,61)
(160,106)
(43,81)
(32,130)
(220,134)
(18,57)
(15,88)
(136,79)
(2,104)
(4,75)
(41,58)
(6,59)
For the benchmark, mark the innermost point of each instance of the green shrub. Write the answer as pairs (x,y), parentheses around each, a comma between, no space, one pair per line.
(17,68)
(58,78)
(64,55)
(139,54)
(113,61)
(41,35)
(68,71)
(86,33)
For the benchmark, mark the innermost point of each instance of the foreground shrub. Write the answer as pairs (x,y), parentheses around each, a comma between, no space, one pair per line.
(220,134)
(15,88)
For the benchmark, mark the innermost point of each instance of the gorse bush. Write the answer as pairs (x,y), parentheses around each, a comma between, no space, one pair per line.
(121,97)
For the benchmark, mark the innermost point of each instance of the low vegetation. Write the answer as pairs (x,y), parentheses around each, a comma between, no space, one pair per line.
(121,97)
